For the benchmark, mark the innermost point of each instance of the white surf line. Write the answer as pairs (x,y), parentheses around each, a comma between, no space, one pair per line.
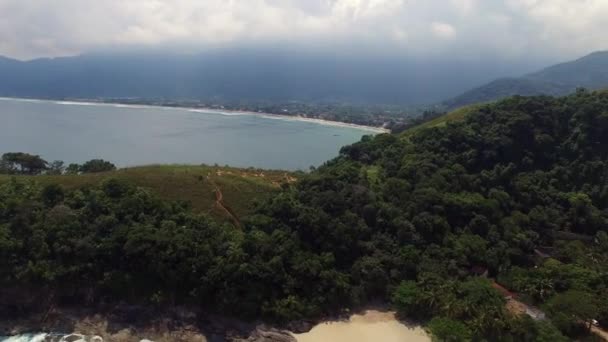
(208,111)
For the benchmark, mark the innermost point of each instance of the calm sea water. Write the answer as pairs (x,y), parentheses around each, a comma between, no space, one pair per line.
(130,136)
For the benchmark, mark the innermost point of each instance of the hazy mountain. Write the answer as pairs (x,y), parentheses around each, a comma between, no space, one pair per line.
(590,72)
(249,74)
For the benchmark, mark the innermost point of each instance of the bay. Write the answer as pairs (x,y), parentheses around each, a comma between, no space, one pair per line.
(143,135)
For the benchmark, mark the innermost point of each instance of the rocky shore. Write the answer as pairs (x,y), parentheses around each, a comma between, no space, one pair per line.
(129,323)
(136,324)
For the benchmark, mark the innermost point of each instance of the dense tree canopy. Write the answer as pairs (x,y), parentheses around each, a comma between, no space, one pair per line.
(402,218)
(97,165)
(449,330)
(18,162)
(25,163)
(522,174)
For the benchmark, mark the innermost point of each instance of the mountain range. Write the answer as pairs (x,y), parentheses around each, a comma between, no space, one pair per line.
(251,74)
(280,76)
(589,72)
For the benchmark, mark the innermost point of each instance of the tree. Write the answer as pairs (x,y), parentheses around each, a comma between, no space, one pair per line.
(406,297)
(97,165)
(448,330)
(574,307)
(52,195)
(56,168)
(72,169)
(115,188)
(547,332)
(601,238)
(19,162)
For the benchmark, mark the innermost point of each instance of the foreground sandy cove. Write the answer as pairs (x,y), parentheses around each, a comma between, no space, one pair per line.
(370,326)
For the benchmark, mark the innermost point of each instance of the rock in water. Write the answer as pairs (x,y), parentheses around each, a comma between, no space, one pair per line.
(263,334)
(73,338)
(300,327)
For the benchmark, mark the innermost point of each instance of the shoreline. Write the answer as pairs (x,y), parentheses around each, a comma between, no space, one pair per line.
(369,325)
(140,323)
(206,110)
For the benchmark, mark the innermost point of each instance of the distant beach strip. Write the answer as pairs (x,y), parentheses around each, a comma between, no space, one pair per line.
(376,130)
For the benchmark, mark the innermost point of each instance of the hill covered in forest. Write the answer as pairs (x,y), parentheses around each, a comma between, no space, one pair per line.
(249,76)
(589,72)
(517,190)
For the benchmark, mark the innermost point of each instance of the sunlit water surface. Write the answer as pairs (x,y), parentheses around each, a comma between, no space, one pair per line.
(140,135)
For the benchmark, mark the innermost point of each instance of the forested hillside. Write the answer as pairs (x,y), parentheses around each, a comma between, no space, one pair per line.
(409,219)
(253,76)
(589,72)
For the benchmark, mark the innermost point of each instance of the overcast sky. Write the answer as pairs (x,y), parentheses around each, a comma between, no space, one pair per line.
(552,29)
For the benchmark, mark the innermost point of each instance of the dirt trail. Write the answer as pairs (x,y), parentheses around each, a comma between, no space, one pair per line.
(219,202)
(600,332)
(519,308)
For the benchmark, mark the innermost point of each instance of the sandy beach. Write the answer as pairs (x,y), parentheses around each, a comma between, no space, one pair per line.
(209,111)
(369,327)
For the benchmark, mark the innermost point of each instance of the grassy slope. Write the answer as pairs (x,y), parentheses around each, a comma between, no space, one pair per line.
(240,187)
(456,115)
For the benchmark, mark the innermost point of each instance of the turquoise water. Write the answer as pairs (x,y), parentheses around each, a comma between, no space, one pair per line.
(131,135)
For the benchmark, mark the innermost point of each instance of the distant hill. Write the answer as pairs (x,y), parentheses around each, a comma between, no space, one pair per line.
(590,72)
(249,74)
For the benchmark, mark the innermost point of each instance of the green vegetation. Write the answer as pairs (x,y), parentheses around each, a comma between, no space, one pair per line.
(504,87)
(518,188)
(443,119)
(19,163)
(195,185)
(96,165)
(485,190)
(557,80)
(448,330)
(22,163)
(572,307)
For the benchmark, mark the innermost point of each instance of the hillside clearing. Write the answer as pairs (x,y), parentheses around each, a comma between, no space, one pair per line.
(454,116)
(241,188)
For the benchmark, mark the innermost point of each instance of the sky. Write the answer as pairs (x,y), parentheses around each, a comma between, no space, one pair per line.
(513,29)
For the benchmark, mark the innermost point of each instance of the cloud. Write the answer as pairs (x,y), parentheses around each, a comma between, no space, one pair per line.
(443,30)
(566,25)
(33,28)
(464,7)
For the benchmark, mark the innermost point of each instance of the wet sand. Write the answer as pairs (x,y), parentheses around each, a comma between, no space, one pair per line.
(369,327)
